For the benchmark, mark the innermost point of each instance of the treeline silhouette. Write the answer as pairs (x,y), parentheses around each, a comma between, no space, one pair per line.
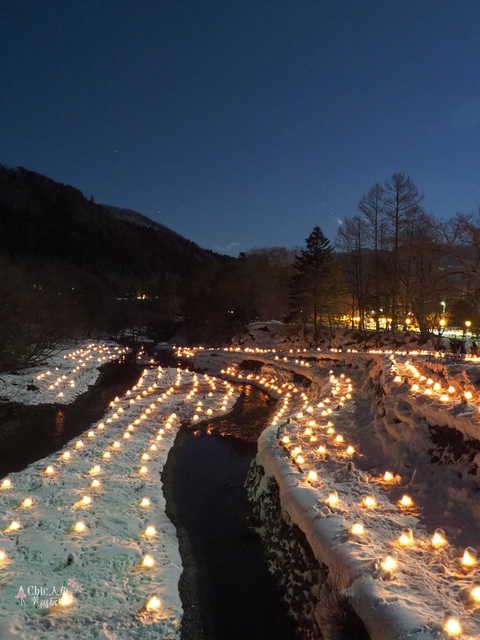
(71,268)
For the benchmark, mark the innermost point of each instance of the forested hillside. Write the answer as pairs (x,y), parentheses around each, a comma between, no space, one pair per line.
(43,218)
(71,267)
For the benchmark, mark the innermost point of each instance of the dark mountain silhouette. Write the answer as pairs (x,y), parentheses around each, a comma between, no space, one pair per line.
(70,268)
(41,218)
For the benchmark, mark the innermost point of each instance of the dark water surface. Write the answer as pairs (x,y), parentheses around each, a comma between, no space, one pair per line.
(31,432)
(207,468)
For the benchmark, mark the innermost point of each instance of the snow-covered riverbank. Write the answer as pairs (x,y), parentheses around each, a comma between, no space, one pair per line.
(90,520)
(67,375)
(327,449)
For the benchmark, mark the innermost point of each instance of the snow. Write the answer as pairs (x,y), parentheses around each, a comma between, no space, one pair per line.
(101,566)
(67,374)
(390,427)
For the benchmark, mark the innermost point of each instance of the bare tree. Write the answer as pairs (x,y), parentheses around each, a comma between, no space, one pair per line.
(401,203)
(351,239)
(371,208)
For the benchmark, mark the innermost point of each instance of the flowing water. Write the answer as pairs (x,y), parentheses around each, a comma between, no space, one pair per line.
(229,594)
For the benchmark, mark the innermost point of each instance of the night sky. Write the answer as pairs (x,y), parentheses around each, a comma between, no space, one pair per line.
(242,123)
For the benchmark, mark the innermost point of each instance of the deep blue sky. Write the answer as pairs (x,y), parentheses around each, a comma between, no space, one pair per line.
(242,123)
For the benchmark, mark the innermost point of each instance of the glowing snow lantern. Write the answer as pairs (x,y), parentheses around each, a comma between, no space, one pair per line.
(3,555)
(369,501)
(444,397)
(357,528)
(145,502)
(145,456)
(86,500)
(27,503)
(106,454)
(390,562)
(13,526)
(143,470)
(79,444)
(79,526)
(406,501)
(321,449)
(438,538)
(312,475)
(66,599)
(6,483)
(474,591)
(451,623)
(285,439)
(414,387)
(339,438)
(66,455)
(95,469)
(153,603)
(469,557)
(397,379)
(350,449)
(332,497)
(451,389)
(407,536)
(49,470)
(300,460)
(150,531)
(148,561)
(95,483)
(116,445)
(468,395)
(388,476)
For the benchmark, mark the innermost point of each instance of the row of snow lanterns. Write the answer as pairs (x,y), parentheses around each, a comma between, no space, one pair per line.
(83,357)
(389,563)
(86,500)
(79,527)
(338,439)
(199,405)
(267,383)
(445,396)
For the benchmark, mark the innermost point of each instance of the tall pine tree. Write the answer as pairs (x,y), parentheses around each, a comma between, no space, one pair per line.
(313,266)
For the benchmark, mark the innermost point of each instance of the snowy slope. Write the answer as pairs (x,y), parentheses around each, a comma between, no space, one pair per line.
(101,564)
(68,374)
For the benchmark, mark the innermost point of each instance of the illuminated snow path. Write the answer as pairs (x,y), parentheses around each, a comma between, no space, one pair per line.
(97,518)
(400,578)
(68,374)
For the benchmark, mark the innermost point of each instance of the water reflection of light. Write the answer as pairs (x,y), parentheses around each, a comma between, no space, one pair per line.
(59,422)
